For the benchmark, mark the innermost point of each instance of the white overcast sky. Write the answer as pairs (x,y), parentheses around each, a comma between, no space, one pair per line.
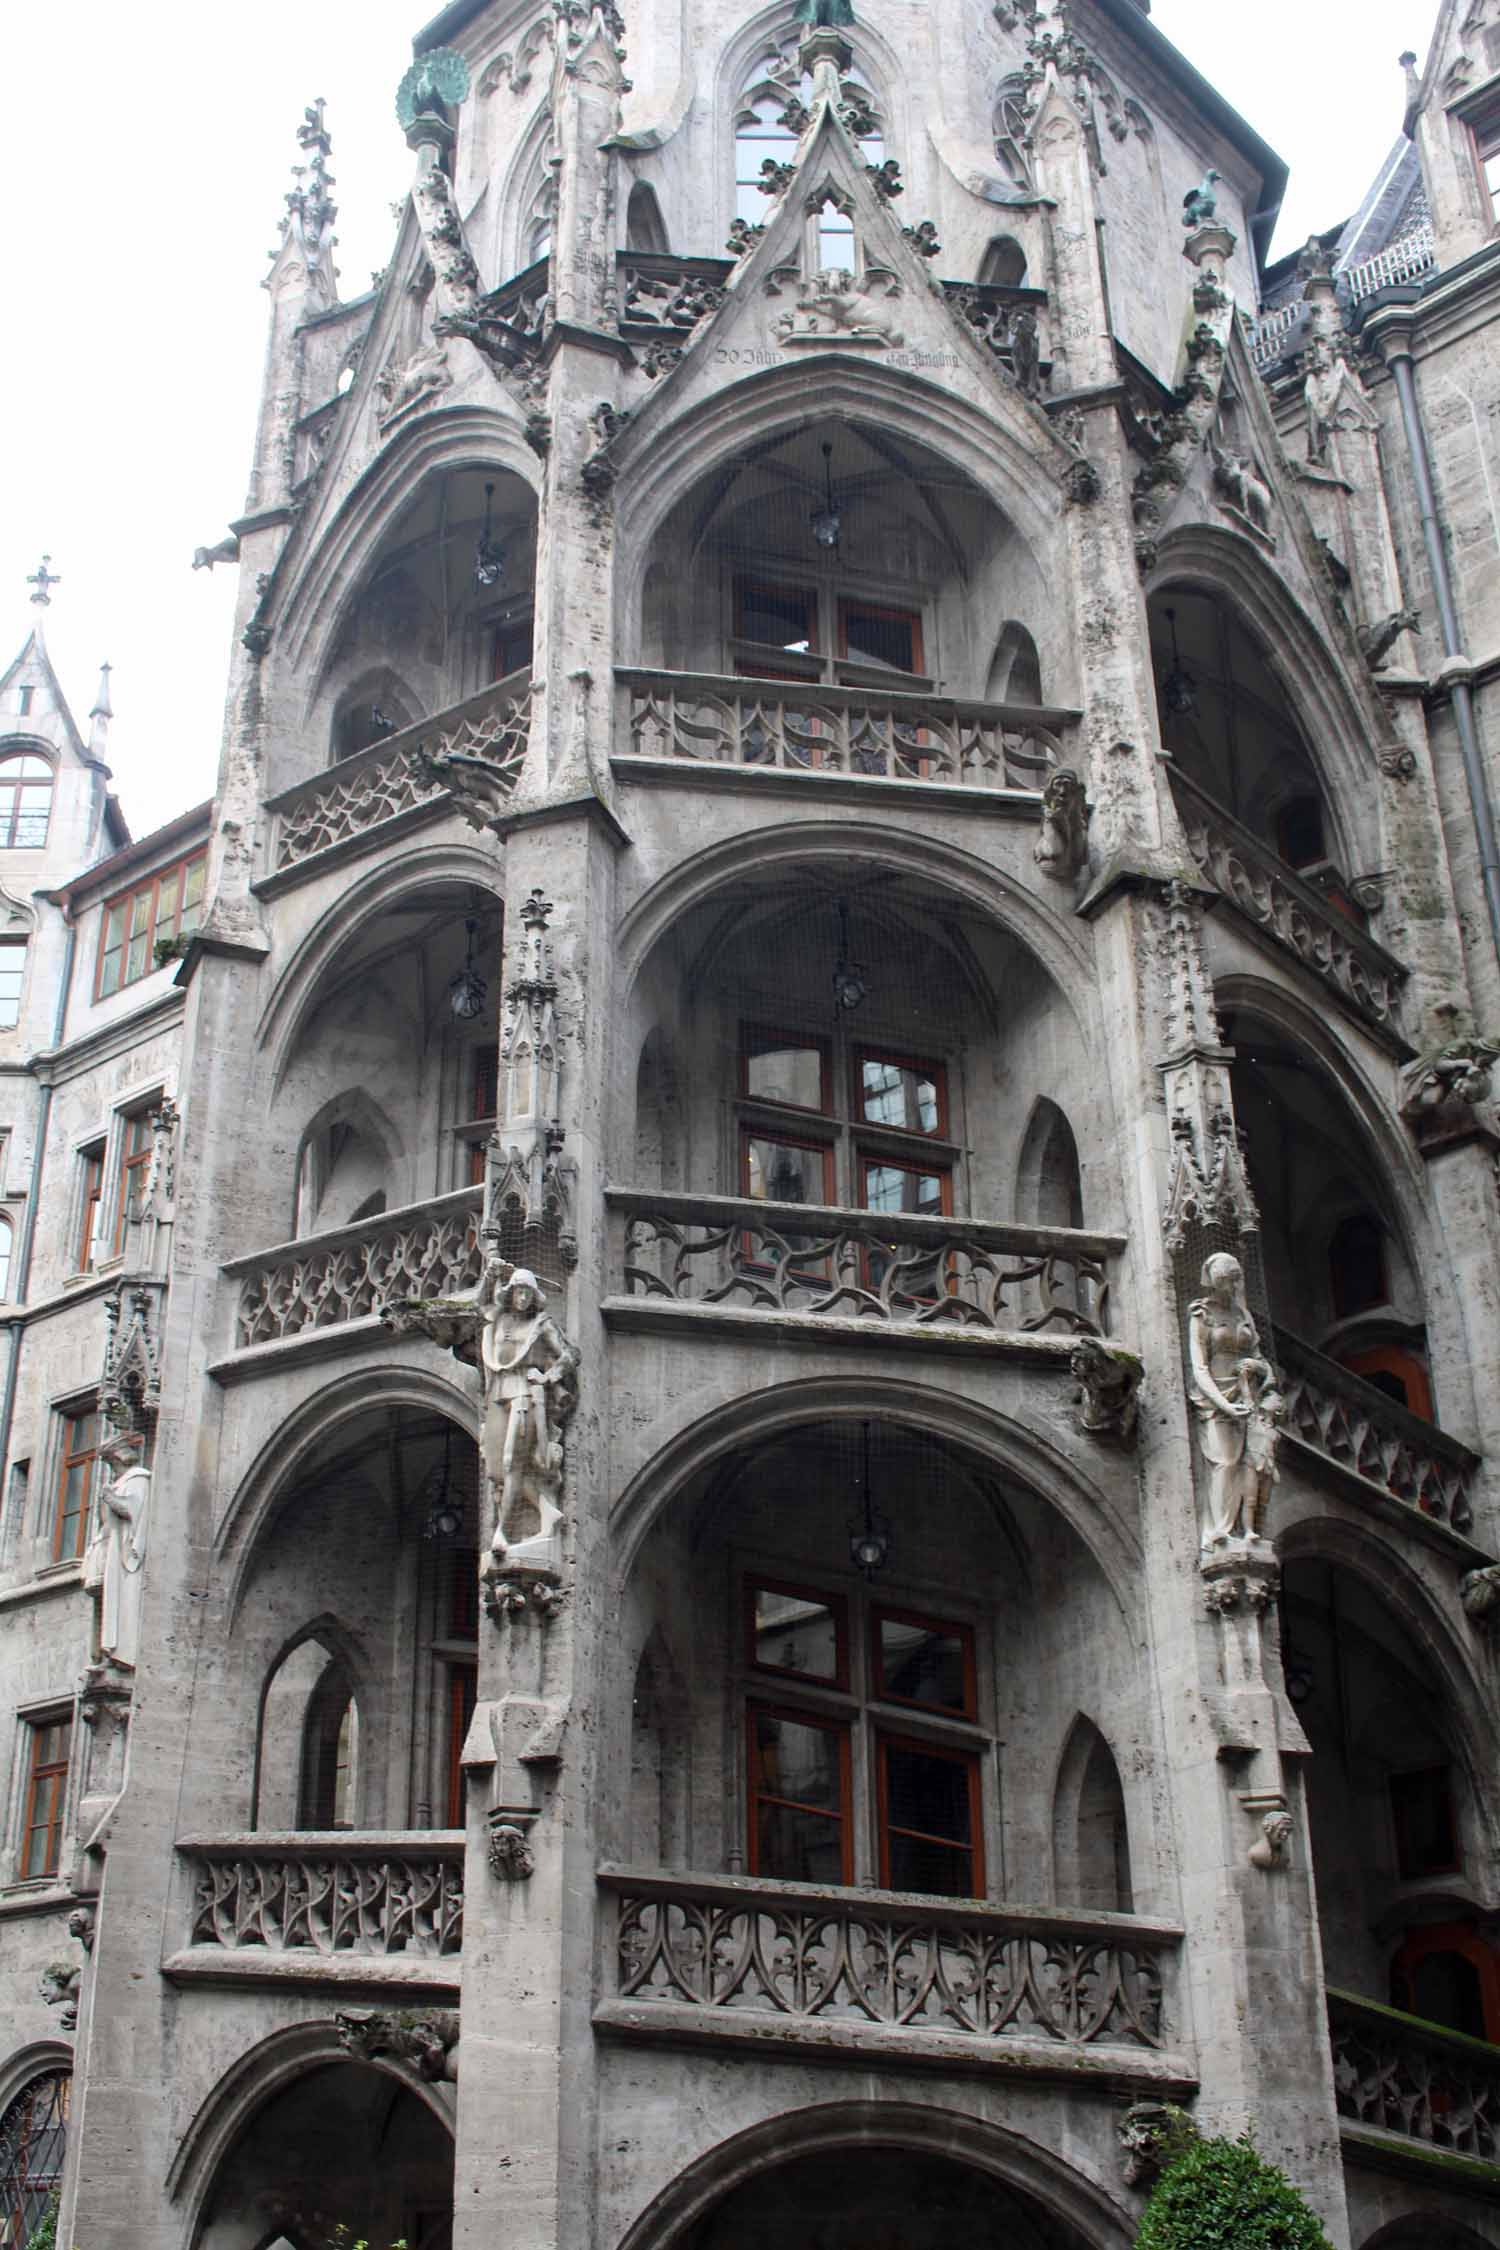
(144,160)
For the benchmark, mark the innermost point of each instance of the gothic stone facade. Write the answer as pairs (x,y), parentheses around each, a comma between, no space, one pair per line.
(788,1328)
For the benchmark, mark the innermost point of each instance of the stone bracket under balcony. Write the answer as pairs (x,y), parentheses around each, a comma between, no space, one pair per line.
(1376,1453)
(846,742)
(721,1263)
(871,1976)
(371,800)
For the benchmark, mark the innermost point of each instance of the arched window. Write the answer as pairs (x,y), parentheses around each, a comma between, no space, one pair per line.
(1003,265)
(33,2140)
(25,801)
(330,1754)
(12,977)
(644,227)
(768,120)
(7,1238)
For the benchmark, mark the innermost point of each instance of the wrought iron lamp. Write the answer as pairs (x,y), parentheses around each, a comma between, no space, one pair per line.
(445,1518)
(1179,690)
(825,522)
(849,986)
(489,556)
(869,1533)
(468,990)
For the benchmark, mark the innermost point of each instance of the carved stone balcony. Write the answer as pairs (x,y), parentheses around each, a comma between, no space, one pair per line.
(865,1972)
(357,805)
(729,1259)
(332,1281)
(382,1908)
(1294,915)
(748,727)
(1397,2078)
(1369,1437)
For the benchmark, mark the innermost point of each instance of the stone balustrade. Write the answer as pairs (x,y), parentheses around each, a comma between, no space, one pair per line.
(733,1946)
(1351,1423)
(329,1894)
(393,777)
(820,728)
(1248,873)
(423,1250)
(1395,2073)
(871,1266)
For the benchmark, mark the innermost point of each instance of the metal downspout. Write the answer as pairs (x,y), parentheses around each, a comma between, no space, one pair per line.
(28,1225)
(1397,350)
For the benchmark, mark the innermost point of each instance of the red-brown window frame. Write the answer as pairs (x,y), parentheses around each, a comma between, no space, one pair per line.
(67,1460)
(92,1160)
(45,1771)
(799,1716)
(952,1629)
(952,1754)
(463,1688)
(779,591)
(912,617)
(837,1606)
(1394,1359)
(478,1113)
(824,1149)
(766,1032)
(154,930)
(131,1172)
(921,1066)
(509,629)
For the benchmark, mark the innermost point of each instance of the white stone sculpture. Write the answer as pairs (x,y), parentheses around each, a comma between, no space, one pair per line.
(530,1375)
(1239,1409)
(117,1556)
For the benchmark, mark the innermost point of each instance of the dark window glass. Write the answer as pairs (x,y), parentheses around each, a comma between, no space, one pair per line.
(781,616)
(799,1787)
(929,1817)
(51,1742)
(778,1067)
(1356,1265)
(33,2140)
(872,635)
(1422,1814)
(80,1442)
(1299,832)
(919,1660)
(792,1630)
(778,1171)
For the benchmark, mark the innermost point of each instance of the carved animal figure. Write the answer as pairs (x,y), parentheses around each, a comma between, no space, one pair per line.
(227,551)
(1242,485)
(1200,203)
(1379,639)
(832,304)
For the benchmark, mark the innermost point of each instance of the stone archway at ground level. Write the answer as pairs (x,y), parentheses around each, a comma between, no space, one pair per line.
(879,2176)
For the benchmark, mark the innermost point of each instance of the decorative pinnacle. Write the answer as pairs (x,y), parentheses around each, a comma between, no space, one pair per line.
(103,708)
(42,578)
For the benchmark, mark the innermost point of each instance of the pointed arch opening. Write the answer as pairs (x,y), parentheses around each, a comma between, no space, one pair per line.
(1003,265)
(645,228)
(1090,1831)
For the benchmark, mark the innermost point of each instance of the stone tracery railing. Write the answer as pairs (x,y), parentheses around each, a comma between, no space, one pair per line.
(335,1893)
(1269,894)
(874,1266)
(390,777)
(1353,1424)
(1397,2074)
(424,1250)
(820,728)
(731,1945)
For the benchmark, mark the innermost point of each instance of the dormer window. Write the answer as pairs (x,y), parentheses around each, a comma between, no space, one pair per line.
(25,801)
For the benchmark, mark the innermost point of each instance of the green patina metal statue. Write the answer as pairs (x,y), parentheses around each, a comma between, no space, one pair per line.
(823,15)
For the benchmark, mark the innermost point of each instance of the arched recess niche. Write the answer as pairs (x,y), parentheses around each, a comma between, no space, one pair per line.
(982,1632)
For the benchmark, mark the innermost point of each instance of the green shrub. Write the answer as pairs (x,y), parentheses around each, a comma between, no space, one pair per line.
(44,2234)
(1220,2195)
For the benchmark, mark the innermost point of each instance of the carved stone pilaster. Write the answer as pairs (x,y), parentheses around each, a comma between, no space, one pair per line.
(1208,1187)
(130,1379)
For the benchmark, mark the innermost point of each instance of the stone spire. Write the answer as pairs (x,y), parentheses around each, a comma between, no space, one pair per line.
(304,254)
(100,715)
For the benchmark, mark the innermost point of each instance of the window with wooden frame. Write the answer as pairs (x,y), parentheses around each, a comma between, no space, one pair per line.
(12,979)
(25,802)
(483,1067)
(463,1688)
(510,645)
(168,904)
(1398,1372)
(78,1450)
(821,631)
(49,1743)
(132,1174)
(864,1766)
(91,1195)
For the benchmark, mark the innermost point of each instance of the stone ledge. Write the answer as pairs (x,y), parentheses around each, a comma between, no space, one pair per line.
(661,1317)
(1124,2070)
(1376,2151)
(217,1964)
(837,788)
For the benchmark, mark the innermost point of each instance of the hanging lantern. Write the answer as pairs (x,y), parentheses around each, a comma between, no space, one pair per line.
(489,558)
(468,991)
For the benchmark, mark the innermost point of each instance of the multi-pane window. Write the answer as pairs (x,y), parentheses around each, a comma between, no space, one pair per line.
(91,1196)
(761,132)
(820,631)
(134,1172)
(1487,151)
(866,1151)
(168,904)
(25,801)
(12,977)
(838,1690)
(483,1067)
(48,1746)
(33,2141)
(78,1450)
